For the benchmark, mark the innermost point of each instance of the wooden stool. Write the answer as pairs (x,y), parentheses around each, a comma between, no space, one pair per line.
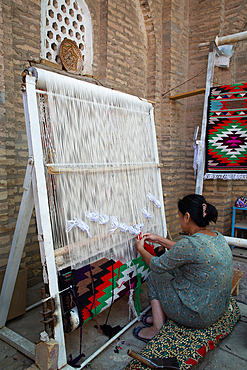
(237,276)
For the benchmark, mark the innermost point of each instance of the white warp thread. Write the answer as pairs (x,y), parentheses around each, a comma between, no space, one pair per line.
(78,223)
(105,175)
(156,202)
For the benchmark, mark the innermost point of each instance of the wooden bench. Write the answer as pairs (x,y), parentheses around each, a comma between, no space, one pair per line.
(237,276)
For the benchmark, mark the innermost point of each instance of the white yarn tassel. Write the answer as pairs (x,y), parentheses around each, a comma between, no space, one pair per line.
(156,202)
(132,305)
(114,224)
(123,227)
(71,224)
(118,225)
(94,216)
(103,219)
(84,227)
(136,229)
(146,213)
(78,223)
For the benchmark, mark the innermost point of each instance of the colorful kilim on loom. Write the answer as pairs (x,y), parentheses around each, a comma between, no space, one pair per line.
(96,286)
(188,345)
(226,141)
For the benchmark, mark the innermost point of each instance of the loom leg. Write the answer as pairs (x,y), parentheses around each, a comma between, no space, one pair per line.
(236,290)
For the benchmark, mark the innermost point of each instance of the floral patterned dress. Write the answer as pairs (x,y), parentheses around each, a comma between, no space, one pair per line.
(193,280)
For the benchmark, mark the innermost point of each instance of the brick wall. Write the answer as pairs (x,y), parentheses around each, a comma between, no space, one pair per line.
(141,47)
(20,27)
(175,71)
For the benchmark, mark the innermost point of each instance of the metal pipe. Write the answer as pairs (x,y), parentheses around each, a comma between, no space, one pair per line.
(204,44)
(34,305)
(95,354)
(224,40)
(237,242)
(239,256)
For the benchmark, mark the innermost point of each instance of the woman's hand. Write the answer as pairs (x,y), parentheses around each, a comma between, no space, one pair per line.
(151,237)
(140,240)
(140,243)
(163,242)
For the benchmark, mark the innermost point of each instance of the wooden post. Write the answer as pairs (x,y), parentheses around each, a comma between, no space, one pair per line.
(17,246)
(209,82)
(42,213)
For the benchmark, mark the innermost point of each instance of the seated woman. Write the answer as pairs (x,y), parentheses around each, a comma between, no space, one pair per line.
(191,282)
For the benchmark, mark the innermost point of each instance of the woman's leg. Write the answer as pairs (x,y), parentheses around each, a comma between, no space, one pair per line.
(159,319)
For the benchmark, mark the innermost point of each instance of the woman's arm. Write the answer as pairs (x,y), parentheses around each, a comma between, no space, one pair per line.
(165,243)
(140,248)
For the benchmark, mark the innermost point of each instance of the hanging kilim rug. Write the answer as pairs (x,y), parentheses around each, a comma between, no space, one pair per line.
(226,137)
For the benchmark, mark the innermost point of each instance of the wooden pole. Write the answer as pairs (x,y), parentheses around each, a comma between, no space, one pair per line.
(188,94)
(56,170)
(209,83)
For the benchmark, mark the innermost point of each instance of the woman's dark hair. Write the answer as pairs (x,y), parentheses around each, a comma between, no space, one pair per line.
(200,211)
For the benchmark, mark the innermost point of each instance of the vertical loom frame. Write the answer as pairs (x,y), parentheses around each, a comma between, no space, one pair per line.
(35,194)
(209,83)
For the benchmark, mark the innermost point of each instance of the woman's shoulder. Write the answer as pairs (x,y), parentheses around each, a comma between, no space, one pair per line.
(217,239)
(198,237)
(208,234)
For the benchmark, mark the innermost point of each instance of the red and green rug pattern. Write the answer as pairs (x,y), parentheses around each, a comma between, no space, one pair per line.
(93,288)
(226,139)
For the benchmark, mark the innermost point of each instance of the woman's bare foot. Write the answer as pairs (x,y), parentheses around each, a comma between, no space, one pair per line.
(148,333)
(149,320)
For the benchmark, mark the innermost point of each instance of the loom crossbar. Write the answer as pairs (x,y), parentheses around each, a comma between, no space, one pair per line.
(57,169)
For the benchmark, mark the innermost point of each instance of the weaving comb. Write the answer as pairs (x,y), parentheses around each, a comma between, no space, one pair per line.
(156,363)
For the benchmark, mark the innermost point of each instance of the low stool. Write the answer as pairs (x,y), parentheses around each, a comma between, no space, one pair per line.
(237,276)
(187,345)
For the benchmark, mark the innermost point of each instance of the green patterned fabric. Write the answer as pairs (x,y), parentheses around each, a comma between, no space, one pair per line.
(189,345)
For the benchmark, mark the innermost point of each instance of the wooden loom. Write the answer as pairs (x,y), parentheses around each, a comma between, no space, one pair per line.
(35,194)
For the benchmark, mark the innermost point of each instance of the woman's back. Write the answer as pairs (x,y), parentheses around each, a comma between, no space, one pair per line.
(202,271)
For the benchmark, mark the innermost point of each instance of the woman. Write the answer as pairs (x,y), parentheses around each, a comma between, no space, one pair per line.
(191,282)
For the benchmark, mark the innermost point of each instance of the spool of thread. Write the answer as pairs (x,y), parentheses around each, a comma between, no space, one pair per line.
(74,318)
(71,320)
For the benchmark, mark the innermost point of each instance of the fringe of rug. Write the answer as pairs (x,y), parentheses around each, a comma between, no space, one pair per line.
(225,176)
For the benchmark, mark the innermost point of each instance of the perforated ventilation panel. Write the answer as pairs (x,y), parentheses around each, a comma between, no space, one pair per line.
(64,19)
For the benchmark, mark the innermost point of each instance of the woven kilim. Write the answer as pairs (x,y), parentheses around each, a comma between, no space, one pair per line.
(226,140)
(93,288)
(188,345)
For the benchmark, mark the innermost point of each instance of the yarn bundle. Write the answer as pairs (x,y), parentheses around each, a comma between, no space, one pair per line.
(241,202)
